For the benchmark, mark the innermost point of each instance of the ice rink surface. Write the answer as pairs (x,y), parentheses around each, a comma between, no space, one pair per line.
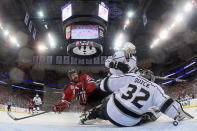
(69,122)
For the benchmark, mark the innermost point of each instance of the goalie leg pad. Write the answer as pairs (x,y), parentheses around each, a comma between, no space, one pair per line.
(151,115)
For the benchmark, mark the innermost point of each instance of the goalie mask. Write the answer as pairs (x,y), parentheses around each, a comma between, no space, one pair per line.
(148,74)
(129,49)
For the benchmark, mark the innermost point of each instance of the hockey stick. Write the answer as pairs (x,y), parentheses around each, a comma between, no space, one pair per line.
(176,122)
(20,118)
(25,117)
(175,79)
(187,115)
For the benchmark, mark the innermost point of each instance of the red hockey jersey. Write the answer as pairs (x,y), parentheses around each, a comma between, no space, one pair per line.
(80,91)
(30,104)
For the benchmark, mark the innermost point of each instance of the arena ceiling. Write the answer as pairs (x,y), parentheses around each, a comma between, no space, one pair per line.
(179,48)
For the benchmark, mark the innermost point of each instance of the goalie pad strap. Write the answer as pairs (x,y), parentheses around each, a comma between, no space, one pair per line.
(166,105)
(106,85)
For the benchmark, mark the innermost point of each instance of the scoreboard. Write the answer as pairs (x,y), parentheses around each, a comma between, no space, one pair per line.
(84,32)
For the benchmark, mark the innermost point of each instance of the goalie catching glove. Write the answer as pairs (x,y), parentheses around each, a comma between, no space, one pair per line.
(119,65)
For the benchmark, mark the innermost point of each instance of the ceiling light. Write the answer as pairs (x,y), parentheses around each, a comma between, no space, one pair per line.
(51,40)
(125,26)
(41,14)
(156,41)
(127,22)
(130,14)
(42,47)
(171,26)
(178,18)
(120,36)
(13,40)
(188,7)
(152,46)
(46,26)
(163,34)
(6,32)
(118,41)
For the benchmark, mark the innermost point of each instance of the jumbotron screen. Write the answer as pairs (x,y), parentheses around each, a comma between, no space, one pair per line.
(84,32)
(103,11)
(66,11)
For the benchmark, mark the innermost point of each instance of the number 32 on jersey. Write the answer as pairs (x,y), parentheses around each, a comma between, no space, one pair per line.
(129,95)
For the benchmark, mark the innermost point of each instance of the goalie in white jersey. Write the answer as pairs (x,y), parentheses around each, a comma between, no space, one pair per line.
(123,60)
(133,96)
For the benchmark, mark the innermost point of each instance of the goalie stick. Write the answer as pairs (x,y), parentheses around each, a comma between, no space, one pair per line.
(178,118)
(175,79)
(176,121)
(150,76)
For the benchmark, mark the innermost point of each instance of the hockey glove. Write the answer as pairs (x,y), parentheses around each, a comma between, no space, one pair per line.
(119,65)
(123,67)
(112,64)
(60,107)
(56,108)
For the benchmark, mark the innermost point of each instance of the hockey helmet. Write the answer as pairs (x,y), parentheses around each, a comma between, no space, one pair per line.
(148,74)
(128,46)
(70,72)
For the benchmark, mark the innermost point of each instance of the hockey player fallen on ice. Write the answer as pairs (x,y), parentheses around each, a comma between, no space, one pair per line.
(37,103)
(123,60)
(130,105)
(82,88)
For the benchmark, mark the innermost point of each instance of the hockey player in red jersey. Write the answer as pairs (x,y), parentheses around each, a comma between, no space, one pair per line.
(30,106)
(83,88)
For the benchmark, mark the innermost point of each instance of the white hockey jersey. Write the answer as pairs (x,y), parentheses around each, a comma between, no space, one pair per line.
(132,97)
(120,57)
(37,101)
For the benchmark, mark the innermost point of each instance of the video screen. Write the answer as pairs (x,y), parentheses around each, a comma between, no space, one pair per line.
(66,11)
(103,12)
(84,32)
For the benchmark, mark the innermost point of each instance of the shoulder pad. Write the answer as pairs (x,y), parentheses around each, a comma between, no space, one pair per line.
(118,54)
